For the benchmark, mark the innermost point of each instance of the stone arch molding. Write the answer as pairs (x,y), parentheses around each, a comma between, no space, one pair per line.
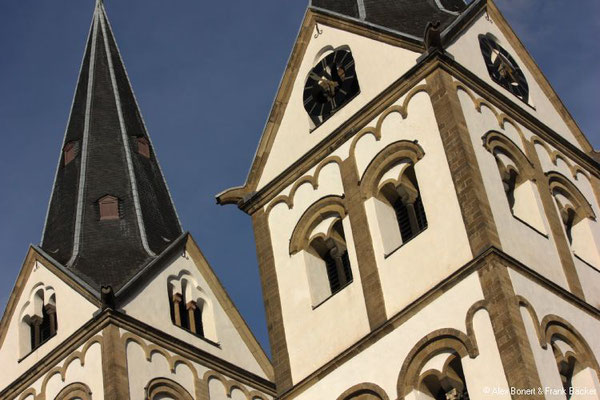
(496,142)
(195,292)
(230,386)
(75,390)
(556,155)
(437,342)
(313,180)
(503,119)
(316,213)
(562,184)
(553,326)
(164,386)
(401,109)
(391,155)
(79,355)
(363,389)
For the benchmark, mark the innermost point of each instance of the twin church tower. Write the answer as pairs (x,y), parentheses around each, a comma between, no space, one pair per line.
(425,212)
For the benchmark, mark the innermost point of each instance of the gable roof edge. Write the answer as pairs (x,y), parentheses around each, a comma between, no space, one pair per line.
(229,307)
(539,76)
(60,271)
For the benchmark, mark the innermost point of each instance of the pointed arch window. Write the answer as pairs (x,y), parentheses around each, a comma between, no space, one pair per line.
(108,208)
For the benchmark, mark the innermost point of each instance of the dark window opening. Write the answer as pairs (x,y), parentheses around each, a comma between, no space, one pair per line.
(186,315)
(44,327)
(568,217)
(410,212)
(334,253)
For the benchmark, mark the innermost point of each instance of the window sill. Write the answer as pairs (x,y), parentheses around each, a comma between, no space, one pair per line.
(36,349)
(216,344)
(403,244)
(331,295)
(529,226)
(586,263)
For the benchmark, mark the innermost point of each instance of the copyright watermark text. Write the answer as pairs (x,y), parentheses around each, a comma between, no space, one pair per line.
(514,391)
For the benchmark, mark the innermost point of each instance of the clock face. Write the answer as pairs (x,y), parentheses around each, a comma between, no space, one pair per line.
(503,69)
(330,85)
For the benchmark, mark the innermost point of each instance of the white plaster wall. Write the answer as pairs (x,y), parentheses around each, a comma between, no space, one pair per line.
(545,303)
(72,309)
(90,373)
(314,336)
(485,372)
(544,359)
(590,282)
(377,66)
(467,52)
(186,373)
(586,244)
(380,363)
(443,247)
(144,306)
(517,239)
(142,371)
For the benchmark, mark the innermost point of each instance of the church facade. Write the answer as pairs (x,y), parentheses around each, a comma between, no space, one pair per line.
(425,216)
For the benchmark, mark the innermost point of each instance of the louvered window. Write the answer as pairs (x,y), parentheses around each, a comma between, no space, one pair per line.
(403,220)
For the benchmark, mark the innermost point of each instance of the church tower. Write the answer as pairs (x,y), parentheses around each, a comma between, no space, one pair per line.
(425,212)
(118,302)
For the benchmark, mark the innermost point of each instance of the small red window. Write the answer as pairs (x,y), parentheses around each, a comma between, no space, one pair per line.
(143,147)
(69,152)
(109,208)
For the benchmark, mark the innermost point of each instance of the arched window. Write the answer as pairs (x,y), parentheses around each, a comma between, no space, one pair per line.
(393,197)
(576,365)
(404,197)
(75,391)
(320,236)
(516,173)
(166,389)
(577,217)
(448,384)
(433,369)
(39,320)
(333,253)
(189,308)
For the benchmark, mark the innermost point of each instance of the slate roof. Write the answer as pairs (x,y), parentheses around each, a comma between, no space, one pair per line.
(409,17)
(104,126)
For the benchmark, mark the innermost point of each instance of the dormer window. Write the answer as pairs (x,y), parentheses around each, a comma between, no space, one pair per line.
(109,208)
(69,152)
(143,146)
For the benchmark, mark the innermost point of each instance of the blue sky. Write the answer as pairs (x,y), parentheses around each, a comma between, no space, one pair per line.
(205,74)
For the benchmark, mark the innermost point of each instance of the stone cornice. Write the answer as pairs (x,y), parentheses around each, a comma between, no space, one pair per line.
(250,202)
(110,317)
(439,289)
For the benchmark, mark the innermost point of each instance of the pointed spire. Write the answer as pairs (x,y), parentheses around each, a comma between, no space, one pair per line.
(110,212)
